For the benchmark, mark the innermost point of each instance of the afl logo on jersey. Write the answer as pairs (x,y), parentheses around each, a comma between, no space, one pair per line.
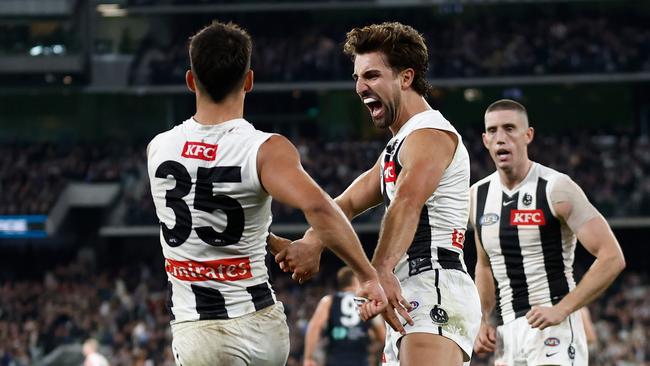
(414,305)
(199,150)
(489,219)
(551,342)
(390,175)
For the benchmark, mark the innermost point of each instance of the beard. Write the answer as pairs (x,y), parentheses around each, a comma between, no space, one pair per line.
(390,112)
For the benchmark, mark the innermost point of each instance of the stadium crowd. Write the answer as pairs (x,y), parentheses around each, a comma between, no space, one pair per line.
(613,170)
(124,309)
(33,175)
(485,46)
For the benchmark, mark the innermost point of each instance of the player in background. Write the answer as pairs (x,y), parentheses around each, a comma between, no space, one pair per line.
(422,177)
(350,341)
(212,178)
(527,218)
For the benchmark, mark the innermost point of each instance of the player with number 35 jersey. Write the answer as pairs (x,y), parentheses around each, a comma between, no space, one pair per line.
(212,178)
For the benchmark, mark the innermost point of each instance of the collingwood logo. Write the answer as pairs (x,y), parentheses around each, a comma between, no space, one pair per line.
(439,315)
(527,200)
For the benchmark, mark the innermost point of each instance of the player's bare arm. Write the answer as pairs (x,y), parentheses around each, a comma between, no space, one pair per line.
(486,339)
(424,156)
(363,194)
(591,229)
(283,177)
(315,328)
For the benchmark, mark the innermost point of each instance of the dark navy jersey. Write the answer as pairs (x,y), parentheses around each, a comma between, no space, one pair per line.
(347,333)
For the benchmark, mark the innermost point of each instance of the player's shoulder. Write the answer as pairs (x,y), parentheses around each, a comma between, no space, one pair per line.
(483,181)
(552,176)
(163,138)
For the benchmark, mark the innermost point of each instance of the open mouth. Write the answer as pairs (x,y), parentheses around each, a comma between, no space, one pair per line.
(503,154)
(375,106)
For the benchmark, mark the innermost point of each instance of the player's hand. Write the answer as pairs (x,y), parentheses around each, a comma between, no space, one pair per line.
(486,341)
(373,299)
(309,362)
(301,257)
(543,317)
(276,243)
(396,303)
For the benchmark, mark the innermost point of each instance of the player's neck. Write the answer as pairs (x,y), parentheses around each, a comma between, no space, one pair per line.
(210,113)
(514,176)
(412,104)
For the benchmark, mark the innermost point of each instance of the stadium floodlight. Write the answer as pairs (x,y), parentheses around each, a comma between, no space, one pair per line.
(111,10)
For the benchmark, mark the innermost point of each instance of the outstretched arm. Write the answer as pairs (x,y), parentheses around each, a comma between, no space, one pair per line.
(283,177)
(303,256)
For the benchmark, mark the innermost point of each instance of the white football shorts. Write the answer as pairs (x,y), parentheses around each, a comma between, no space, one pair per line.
(260,338)
(445,302)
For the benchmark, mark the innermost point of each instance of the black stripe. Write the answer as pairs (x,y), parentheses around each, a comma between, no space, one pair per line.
(210,303)
(383,181)
(449,259)
(499,318)
(419,252)
(170,303)
(439,296)
(261,295)
(551,238)
(226,174)
(514,261)
(398,166)
(571,343)
(481,198)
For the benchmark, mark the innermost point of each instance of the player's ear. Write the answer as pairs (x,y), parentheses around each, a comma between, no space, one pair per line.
(485,142)
(406,78)
(248,82)
(530,134)
(189,81)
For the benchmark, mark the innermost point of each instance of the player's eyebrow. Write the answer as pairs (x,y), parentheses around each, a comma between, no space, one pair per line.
(366,74)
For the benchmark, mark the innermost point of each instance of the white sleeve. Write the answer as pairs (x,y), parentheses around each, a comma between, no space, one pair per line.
(565,190)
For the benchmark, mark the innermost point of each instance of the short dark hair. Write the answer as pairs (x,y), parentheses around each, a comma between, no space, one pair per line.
(402,44)
(506,105)
(344,277)
(220,56)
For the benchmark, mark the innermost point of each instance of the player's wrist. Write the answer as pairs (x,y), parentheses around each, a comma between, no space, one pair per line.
(563,309)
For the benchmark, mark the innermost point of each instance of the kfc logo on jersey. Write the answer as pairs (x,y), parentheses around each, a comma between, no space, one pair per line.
(230,269)
(199,150)
(389,172)
(527,217)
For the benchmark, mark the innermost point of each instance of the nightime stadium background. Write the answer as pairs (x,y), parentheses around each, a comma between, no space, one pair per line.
(84,85)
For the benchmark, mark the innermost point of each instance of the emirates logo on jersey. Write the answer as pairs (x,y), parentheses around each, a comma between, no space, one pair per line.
(199,150)
(389,172)
(527,217)
(230,269)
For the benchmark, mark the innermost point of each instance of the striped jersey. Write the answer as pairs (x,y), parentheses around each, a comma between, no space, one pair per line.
(531,251)
(214,219)
(347,334)
(440,234)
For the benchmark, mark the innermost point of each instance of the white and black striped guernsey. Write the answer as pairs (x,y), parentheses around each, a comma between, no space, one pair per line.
(440,234)
(531,251)
(214,219)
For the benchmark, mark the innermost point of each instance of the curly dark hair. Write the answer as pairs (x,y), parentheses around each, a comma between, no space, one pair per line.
(402,44)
